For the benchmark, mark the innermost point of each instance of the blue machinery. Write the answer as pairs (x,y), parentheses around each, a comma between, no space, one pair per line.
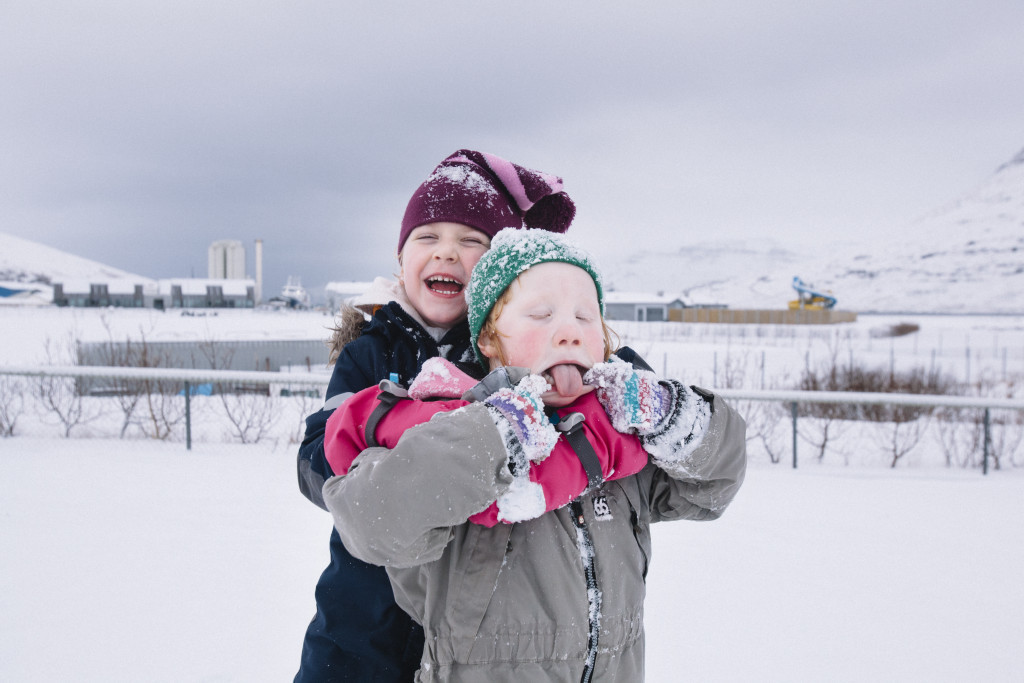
(810,299)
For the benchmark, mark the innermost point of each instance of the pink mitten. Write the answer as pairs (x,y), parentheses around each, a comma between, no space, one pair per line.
(439,378)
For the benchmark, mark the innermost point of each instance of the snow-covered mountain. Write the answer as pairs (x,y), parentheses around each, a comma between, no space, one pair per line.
(29,262)
(967,256)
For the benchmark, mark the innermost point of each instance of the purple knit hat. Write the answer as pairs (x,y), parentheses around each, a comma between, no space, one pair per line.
(488,193)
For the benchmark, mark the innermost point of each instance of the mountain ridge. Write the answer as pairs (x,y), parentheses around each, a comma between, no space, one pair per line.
(966,256)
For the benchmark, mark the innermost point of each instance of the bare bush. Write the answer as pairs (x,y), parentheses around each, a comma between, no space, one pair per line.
(59,397)
(163,408)
(303,402)
(959,437)
(904,425)
(162,404)
(766,425)
(12,403)
(819,432)
(897,330)
(126,393)
(252,415)
(900,436)
(735,370)
(829,421)
(901,426)
(766,421)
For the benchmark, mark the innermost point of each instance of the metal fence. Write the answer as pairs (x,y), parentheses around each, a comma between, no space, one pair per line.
(284,383)
(186,382)
(794,398)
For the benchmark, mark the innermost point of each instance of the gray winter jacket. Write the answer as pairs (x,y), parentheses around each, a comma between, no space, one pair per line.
(512,602)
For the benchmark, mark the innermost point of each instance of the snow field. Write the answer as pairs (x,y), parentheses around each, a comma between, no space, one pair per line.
(200,566)
(133,559)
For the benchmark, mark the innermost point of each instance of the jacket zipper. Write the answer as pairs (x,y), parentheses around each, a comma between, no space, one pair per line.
(586,547)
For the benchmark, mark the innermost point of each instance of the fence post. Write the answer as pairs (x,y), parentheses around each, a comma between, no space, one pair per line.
(792,407)
(988,440)
(188,415)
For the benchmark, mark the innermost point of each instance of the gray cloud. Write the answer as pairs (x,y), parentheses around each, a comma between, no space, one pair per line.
(136,133)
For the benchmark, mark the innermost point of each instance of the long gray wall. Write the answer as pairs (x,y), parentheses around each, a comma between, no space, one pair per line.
(223,355)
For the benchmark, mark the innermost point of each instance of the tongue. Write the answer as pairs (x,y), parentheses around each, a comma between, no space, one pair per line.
(446,287)
(566,379)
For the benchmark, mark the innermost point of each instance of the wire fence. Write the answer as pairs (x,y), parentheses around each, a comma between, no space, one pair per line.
(160,403)
(904,409)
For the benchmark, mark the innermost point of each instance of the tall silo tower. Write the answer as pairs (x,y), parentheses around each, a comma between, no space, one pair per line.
(226,260)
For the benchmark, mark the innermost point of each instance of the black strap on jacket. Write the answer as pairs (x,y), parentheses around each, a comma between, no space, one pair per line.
(390,394)
(571,426)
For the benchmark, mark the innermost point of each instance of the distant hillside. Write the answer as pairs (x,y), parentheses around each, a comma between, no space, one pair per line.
(26,261)
(967,256)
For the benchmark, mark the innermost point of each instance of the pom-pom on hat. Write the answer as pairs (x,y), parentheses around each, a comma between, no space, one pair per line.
(488,193)
(511,253)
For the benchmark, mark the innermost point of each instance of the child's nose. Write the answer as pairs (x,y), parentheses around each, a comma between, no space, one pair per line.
(569,333)
(446,251)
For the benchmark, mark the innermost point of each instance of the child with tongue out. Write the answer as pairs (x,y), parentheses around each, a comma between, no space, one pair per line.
(358,632)
(521,549)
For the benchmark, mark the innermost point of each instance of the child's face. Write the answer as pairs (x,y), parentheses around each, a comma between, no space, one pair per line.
(552,325)
(436,261)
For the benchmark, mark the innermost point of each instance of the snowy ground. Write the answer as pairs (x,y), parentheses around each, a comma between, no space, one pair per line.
(199,566)
(128,560)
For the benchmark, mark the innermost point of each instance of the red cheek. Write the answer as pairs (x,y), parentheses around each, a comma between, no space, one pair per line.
(524,347)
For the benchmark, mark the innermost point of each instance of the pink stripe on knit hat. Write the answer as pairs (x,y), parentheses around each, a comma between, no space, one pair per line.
(509,177)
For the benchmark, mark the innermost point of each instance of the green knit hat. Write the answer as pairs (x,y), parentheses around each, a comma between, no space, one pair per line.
(514,250)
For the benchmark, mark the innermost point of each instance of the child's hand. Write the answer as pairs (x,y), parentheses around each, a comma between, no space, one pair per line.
(634,399)
(519,415)
(529,436)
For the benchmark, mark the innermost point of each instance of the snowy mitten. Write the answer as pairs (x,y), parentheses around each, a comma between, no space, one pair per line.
(519,416)
(683,428)
(634,399)
(440,378)
(529,436)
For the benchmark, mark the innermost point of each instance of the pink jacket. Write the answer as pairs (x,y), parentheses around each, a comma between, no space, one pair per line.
(561,475)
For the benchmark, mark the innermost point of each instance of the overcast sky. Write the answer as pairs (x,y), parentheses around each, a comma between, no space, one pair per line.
(137,132)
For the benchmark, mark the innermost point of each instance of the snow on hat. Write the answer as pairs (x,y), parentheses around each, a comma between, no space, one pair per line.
(511,253)
(488,193)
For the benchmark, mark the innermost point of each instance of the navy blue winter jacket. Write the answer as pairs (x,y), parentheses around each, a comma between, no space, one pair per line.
(391,343)
(358,632)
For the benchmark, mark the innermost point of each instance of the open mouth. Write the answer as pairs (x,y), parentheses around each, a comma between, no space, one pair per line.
(565,378)
(444,285)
